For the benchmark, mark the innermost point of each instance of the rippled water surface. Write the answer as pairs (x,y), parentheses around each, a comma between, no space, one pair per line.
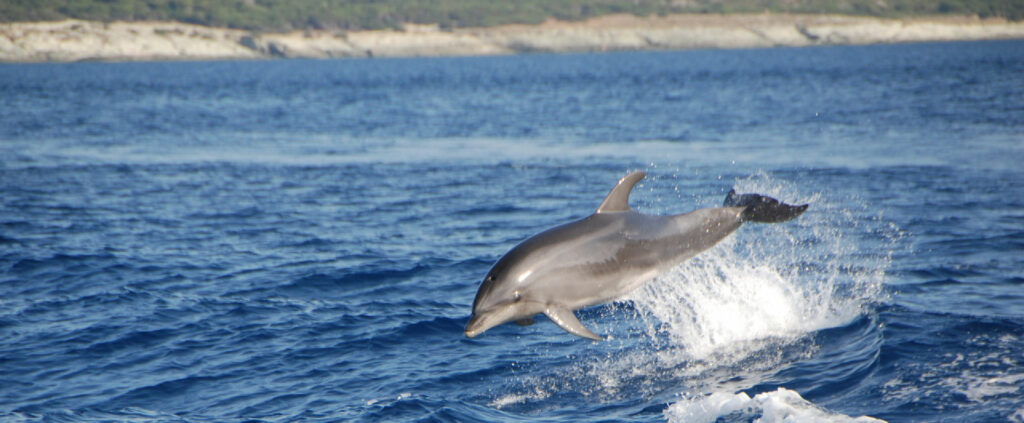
(302,240)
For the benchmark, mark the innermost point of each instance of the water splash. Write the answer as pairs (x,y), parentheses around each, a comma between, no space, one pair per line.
(715,307)
(766,284)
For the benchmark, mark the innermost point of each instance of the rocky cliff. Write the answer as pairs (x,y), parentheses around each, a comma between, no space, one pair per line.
(81,40)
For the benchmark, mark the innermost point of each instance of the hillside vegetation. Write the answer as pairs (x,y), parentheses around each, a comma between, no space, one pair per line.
(279,15)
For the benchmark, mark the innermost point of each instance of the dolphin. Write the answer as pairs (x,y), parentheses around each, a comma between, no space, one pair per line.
(605,255)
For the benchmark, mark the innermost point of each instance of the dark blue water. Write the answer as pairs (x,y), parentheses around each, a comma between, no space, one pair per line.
(302,240)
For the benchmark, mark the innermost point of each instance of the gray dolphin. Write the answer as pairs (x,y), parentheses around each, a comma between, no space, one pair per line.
(604,256)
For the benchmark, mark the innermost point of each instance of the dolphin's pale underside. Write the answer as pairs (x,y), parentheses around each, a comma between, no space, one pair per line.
(604,256)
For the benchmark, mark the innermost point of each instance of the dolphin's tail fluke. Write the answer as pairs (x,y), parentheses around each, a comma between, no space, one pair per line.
(759,208)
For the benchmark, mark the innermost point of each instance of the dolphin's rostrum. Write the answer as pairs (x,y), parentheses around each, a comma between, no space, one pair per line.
(604,256)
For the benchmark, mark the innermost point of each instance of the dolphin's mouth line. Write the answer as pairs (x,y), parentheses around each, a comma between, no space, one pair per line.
(482,320)
(475,326)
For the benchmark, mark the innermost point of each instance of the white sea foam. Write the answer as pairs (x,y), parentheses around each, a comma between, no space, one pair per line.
(782,405)
(520,397)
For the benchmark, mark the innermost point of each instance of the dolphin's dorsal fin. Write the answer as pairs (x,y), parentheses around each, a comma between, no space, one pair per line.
(618,199)
(565,319)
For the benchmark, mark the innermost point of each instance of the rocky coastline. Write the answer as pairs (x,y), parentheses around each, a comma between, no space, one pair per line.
(73,40)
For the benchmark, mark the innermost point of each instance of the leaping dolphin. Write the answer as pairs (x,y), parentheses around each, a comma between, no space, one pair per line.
(604,256)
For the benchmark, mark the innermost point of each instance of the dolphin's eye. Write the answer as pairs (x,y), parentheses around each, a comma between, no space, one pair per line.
(490,278)
(516,295)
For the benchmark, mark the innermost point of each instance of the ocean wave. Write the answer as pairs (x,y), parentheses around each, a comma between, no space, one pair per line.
(322,267)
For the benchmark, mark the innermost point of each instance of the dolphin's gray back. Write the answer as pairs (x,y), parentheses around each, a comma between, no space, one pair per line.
(606,255)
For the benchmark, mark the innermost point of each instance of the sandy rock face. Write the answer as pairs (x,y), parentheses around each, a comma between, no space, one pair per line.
(74,40)
(82,40)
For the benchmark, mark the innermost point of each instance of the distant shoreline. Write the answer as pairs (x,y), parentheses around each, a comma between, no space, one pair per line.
(74,40)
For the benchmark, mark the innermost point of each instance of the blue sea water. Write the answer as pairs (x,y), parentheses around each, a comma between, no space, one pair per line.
(302,240)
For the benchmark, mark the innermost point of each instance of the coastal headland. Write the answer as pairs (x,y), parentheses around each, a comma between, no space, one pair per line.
(77,40)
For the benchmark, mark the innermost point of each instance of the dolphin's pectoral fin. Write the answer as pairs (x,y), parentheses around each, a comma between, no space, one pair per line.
(525,322)
(618,199)
(759,208)
(565,319)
